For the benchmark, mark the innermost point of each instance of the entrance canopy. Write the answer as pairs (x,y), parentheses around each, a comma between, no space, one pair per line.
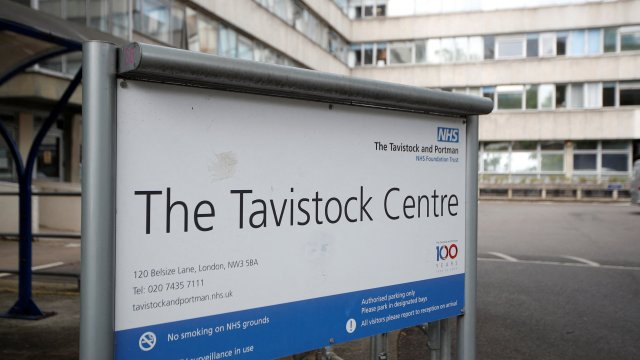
(28,36)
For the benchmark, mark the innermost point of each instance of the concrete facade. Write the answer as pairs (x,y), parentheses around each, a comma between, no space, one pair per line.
(541,19)
(593,124)
(271,30)
(508,72)
(29,95)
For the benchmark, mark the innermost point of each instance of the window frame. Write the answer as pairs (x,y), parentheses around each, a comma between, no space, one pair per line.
(502,89)
(522,38)
(509,151)
(401,45)
(554,44)
(625,30)
(599,151)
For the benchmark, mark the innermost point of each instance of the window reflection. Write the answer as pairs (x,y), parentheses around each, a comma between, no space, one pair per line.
(296,14)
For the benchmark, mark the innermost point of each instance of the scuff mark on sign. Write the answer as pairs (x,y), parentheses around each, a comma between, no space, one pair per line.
(223,165)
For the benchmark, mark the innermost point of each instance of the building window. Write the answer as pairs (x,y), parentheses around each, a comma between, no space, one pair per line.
(369,54)
(338,46)
(7,171)
(551,156)
(433,51)
(531,92)
(561,43)
(546,96)
(630,38)
(49,163)
(629,93)
(245,48)
(381,10)
(298,15)
(381,54)
(489,47)
(610,39)
(584,162)
(447,50)
(510,47)
(594,41)
(576,97)
(522,157)
(475,91)
(585,42)
(547,44)
(367,8)
(202,33)
(585,155)
(615,156)
(592,95)
(532,45)
(228,42)
(509,97)
(401,53)
(601,157)
(609,94)
(495,157)
(178,26)
(561,96)
(49,160)
(577,41)
(151,18)
(461,49)
(421,51)
(355,55)
(476,48)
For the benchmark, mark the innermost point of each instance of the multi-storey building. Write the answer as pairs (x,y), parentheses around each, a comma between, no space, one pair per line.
(564,75)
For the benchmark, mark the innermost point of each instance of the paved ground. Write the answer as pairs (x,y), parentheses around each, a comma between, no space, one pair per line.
(556,281)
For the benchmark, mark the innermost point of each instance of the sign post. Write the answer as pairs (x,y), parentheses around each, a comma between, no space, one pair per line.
(98,200)
(264,211)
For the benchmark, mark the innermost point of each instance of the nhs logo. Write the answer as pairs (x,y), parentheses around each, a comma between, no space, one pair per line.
(448,134)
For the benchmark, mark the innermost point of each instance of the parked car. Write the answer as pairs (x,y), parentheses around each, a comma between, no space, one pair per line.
(635,183)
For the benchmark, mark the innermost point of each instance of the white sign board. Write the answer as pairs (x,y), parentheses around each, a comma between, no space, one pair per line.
(255,227)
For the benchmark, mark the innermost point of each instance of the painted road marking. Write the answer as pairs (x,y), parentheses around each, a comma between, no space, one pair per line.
(39,267)
(72,245)
(48,266)
(558,263)
(581,260)
(504,256)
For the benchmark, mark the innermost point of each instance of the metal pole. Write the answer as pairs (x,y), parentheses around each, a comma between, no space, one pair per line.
(434,340)
(445,339)
(467,322)
(98,201)
(379,347)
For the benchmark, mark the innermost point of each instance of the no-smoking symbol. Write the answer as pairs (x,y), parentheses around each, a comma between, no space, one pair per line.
(147,341)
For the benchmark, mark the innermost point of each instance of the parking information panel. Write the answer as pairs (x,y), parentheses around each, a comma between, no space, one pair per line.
(254,227)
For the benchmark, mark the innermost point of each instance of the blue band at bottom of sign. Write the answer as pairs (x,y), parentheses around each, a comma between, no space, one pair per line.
(285,329)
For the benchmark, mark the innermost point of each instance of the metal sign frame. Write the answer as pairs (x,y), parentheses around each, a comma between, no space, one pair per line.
(104,62)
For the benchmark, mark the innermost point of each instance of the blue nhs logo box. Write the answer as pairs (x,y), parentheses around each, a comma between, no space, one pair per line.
(448,134)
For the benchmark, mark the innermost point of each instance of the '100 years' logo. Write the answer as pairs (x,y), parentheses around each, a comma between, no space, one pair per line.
(445,252)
